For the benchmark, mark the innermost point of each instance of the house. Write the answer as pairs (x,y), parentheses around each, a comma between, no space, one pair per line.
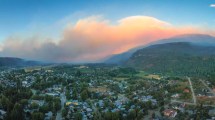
(186,90)
(89,110)
(182,105)
(214,89)
(2,114)
(24,83)
(48,115)
(211,112)
(175,95)
(74,102)
(101,103)
(53,94)
(170,113)
(118,104)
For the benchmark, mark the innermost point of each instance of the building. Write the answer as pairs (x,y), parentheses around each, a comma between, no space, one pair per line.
(186,90)
(48,115)
(2,114)
(170,113)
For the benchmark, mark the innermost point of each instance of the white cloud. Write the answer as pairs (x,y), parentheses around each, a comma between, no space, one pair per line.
(212,5)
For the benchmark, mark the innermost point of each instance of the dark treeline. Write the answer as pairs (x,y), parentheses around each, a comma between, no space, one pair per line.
(175,59)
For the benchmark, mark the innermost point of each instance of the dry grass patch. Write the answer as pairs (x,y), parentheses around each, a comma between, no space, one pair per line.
(206,100)
(151,76)
(98,89)
(120,78)
(30,69)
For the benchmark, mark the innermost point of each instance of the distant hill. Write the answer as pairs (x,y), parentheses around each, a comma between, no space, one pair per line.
(181,58)
(200,39)
(120,58)
(16,62)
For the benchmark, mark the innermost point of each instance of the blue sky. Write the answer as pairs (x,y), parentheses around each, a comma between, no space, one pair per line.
(69,28)
(18,16)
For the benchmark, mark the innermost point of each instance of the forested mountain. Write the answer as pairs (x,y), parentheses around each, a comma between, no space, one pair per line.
(200,39)
(181,58)
(14,62)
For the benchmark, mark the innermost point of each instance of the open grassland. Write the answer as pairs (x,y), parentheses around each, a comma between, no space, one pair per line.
(120,78)
(141,74)
(151,76)
(98,89)
(30,69)
(147,76)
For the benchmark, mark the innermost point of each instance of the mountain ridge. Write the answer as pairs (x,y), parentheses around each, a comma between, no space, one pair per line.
(200,39)
(182,58)
(17,62)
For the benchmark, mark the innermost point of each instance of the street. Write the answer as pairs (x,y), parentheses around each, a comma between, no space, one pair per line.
(63,101)
(191,87)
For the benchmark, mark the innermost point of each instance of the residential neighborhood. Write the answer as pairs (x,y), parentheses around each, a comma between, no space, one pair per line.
(71,92)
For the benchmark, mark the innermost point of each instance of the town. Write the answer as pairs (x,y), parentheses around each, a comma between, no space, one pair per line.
(102,92)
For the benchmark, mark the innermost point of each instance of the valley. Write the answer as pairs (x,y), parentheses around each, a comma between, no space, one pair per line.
(163,81)
(100,91)
(107,60)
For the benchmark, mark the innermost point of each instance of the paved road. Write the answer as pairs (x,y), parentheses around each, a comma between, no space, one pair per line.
(176,101)
(208,87)
(191,87)
(193,94)
(63,101)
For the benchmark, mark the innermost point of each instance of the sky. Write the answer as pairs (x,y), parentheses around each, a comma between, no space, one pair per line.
(90,30)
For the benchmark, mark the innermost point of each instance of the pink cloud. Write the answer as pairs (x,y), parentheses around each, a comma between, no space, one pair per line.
(94,38)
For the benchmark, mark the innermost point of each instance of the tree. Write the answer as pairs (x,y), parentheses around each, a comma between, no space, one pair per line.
(5,103)
(68,96)
(24,102)
(84,94)
(44,109)
(161,111)
(140,115)
(116,116)
(17,112)
(202,112)
(57,104)
(78,73)
(149,104)
(78,116)
(131,115)
(48,98)
(97,115)
(64,112)
(153,115)
(37,116)
(74,94)
(34,105)
(108,116)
